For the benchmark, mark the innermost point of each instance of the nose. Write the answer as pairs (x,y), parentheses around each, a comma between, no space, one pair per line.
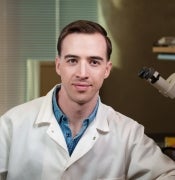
(82,70)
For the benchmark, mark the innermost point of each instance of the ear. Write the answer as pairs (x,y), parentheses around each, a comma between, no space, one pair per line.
(57,65)
(108,69)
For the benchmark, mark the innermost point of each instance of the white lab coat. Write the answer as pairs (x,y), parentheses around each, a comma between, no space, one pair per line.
(114,147)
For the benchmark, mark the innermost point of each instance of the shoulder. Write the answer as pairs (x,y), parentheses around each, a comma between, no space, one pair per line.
(30,107)
(25,108)
(19,117)
(22,114)
(29,111)
(115,116)
(121,123)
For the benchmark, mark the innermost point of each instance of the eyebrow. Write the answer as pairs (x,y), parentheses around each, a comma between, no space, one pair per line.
(90,57)
(70,56)
(96,57)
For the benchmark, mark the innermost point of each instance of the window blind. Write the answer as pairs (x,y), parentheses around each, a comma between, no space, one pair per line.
(29,30)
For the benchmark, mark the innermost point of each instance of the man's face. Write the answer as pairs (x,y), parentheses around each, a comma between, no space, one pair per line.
(83,66)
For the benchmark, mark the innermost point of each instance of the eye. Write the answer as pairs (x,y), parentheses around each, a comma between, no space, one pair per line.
(95,62)
(72,61)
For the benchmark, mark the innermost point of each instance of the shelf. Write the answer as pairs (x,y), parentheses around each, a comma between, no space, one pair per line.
(163,49)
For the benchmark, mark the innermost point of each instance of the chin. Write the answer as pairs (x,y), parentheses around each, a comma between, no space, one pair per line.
(81,102)
(84,100)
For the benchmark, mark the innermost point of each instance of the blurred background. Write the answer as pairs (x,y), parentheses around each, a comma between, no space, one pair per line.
(28,37)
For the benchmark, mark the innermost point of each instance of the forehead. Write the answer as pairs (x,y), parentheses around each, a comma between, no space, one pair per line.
(84,42)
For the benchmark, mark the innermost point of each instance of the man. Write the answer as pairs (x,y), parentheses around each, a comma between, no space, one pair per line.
(70,133)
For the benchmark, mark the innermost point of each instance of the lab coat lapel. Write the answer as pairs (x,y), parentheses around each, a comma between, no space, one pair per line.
(98,128)
(55,133)
(46,117)
(84,145)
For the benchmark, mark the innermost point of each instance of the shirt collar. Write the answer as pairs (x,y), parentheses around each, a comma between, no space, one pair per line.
(59,114)
(56,110)
(46,114)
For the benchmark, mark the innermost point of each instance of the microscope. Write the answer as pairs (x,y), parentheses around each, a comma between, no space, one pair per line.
(165,87)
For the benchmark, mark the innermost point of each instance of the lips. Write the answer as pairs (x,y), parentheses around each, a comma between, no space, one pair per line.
(81,86)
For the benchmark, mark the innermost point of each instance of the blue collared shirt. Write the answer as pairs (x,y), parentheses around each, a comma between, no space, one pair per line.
(63,122)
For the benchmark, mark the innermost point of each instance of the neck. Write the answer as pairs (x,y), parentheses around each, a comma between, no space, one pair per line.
(76,112)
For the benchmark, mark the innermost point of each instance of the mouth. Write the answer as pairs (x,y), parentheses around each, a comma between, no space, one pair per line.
(81,86)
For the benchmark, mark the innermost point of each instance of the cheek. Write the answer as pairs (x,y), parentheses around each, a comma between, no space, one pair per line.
(65,74)
(99,77)
(102,75)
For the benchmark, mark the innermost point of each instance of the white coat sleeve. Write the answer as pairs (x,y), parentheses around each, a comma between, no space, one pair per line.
(4,146)
(147,160)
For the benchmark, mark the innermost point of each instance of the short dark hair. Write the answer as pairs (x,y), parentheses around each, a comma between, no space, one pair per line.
(87,27)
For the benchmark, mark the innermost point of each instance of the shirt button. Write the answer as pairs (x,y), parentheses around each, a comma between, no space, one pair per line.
(67,135)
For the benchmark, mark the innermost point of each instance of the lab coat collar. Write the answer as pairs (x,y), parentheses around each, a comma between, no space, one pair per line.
(99,126)
(101,118)
(46,113)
